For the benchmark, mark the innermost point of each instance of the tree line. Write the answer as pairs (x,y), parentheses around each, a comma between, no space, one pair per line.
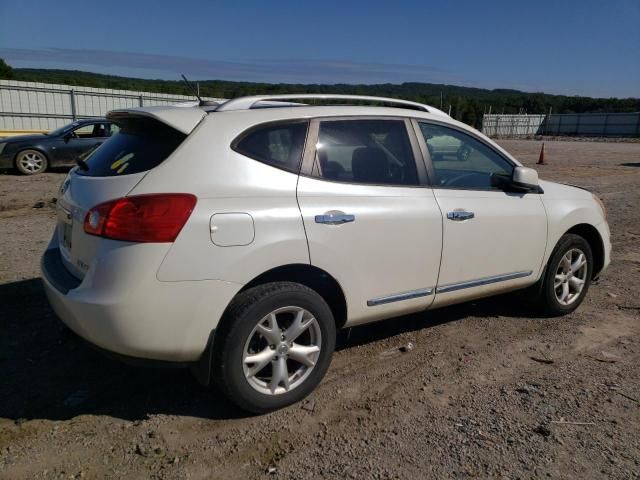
(465,103)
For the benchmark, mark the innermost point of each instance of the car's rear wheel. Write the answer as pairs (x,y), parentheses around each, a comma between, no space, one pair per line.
(31,162)
(568,276)
(274,346)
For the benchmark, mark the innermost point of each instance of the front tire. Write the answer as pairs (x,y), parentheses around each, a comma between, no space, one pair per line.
(274,346)
(567,277)
(31,162)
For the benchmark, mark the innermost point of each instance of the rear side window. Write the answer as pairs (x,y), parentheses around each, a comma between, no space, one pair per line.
(365,151)
(279,145)
(139,145)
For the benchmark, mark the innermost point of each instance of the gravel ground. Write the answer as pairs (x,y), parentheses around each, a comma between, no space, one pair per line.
(489,390)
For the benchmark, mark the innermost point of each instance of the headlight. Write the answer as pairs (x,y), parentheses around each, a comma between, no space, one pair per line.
(2,145)
(601,204)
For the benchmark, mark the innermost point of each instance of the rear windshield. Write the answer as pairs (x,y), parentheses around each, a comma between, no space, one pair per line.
(140,145)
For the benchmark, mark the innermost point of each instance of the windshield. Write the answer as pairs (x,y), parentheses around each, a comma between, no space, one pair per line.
(140,145)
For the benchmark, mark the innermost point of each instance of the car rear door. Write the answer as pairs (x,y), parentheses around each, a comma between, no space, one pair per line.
(370,219)
(493,240)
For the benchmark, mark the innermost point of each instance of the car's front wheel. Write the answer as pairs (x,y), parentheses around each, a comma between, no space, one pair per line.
(568,276)
(31,162)
(274,346)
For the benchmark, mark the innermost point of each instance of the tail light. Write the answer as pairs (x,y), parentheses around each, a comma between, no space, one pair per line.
(154,218)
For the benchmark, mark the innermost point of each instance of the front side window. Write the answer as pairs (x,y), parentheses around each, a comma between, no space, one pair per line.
(279,145)
(365,151)
(461,161)
(91,130)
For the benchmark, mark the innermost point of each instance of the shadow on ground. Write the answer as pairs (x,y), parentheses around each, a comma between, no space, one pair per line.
(13,171)
(630,164)
(49,373)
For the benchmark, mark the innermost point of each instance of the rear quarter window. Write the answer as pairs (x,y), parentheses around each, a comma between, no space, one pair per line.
(138,145)
(279,145)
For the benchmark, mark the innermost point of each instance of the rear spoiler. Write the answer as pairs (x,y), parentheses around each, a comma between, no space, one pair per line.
(182,118)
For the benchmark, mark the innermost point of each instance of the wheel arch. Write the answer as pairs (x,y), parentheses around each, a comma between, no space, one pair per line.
(593,238)
(313,277)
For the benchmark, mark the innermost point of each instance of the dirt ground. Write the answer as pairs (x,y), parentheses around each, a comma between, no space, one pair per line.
(489,390)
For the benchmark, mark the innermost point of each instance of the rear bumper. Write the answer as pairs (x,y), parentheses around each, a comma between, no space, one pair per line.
(127,311)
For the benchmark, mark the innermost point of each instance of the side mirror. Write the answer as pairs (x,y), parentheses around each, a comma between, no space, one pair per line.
(525,178)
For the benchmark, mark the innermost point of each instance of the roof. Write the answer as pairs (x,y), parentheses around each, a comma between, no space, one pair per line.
(185,116)
(262,101)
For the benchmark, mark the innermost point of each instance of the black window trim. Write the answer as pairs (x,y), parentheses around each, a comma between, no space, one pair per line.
(309,156)
(239,138)
(426,156)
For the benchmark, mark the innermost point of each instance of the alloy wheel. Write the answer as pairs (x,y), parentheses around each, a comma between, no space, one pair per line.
(31,161)
(282,350)
(571,276)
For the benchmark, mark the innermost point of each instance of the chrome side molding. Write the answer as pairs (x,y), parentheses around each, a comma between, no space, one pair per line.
(422,292)
(451,287)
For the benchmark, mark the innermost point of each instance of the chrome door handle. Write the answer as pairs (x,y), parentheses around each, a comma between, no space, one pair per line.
(335,218)
(458,216)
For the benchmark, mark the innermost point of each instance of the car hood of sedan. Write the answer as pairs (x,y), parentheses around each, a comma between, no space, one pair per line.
(23,138)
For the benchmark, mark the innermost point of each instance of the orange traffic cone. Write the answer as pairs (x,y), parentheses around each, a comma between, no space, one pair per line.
(541,157)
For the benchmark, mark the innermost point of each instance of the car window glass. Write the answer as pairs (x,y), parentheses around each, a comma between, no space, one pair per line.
(140,145)
(461,161)
(279,145)
(91,130)
(365,151)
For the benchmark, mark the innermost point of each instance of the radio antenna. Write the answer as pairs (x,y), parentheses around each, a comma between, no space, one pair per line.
(193,90)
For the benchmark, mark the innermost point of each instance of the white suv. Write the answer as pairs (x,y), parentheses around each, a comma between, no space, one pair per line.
(236,238)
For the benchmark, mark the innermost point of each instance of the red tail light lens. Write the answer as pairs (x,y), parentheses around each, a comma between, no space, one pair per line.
(155,218)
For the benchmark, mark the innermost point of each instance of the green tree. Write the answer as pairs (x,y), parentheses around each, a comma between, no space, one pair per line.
(5,70)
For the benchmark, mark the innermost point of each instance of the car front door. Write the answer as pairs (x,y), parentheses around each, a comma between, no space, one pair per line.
(493,240)
(371,220)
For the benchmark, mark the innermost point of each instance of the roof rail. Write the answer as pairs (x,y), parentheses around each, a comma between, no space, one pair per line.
(246,103)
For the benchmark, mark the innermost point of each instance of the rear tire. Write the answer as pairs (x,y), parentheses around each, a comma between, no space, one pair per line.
(274,346)
(31,162)
(567,276)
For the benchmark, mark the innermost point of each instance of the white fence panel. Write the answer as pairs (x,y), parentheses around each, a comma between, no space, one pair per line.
(573,124)
(43,106)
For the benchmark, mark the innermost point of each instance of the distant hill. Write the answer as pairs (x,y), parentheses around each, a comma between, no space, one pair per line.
(467,104)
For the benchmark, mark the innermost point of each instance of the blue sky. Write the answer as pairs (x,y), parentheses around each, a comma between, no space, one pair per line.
(569,47)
